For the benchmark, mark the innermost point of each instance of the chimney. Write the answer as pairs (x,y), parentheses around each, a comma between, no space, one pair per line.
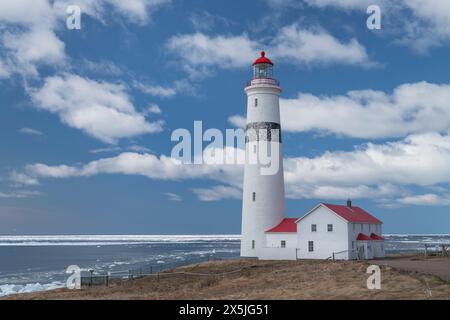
(349,203)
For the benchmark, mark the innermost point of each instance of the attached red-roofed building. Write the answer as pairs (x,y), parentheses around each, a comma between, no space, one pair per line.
(283,236)
(327,231)
(288,225)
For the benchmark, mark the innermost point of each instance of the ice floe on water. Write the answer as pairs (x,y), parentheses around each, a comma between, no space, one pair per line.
(8,289)
(100,240)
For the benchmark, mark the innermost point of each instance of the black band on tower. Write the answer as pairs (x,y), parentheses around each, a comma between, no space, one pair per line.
(263,131)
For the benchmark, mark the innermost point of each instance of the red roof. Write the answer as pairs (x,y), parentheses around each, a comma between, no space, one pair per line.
(374,236)
(287,225)
(262,59)
(363,237)
(353,214)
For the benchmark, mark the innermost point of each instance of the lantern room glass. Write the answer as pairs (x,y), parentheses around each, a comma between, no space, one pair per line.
(263,71)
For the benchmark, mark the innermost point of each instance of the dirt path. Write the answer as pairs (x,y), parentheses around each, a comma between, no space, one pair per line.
(437,267)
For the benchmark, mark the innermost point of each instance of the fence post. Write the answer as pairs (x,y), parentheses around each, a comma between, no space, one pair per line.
(426,251)
(90,279)
(333,256)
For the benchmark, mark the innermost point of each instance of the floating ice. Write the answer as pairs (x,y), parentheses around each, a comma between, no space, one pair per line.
(8,289)
(99,240)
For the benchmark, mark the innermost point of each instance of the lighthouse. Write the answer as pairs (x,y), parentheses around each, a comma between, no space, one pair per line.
(263,191)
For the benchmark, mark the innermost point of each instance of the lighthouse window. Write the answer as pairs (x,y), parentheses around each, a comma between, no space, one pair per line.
(256,102)
(254,196)
(310,246)
(253,244)
(283,243)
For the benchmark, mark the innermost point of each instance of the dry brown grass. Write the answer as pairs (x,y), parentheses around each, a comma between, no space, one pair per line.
(266,280)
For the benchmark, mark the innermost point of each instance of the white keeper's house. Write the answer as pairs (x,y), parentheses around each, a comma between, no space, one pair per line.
(328,231)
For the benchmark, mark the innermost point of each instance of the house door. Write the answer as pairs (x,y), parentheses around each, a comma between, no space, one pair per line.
(361,253)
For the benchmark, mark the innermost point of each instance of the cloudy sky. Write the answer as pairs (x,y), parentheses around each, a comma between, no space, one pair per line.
(86,116)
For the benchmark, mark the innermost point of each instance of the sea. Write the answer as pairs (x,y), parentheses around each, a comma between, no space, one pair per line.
(39,263)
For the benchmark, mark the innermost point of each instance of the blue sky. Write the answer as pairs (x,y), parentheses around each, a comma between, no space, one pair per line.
(86,115)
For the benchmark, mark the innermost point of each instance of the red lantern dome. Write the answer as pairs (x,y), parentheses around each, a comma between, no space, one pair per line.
(263,59)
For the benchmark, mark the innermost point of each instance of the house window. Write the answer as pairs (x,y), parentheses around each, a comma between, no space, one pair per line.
(310,246)
(254,196)
(313,227)
(256,102)
(283,243)
(253,244)
(330,228)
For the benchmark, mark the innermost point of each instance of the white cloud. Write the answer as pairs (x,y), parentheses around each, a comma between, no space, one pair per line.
(429,199)
(217,193)
(347,4)
(282,4)
(4,70)
(130,163)
(154,109)
(29,48)
(418,160)
(237,121)
(339,192)
(30,131)
(31,40)
(380,172)
(20,179)
(173,196)
(137,148)
(100,109)
(411,108)
(20,194)
(301,46)
(420,24)
(158,91)
(29,29)
(103,150)
(136,11)
(206,21)
(198,53)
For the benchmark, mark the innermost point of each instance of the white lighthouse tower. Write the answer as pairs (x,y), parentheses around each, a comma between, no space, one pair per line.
(263,193)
